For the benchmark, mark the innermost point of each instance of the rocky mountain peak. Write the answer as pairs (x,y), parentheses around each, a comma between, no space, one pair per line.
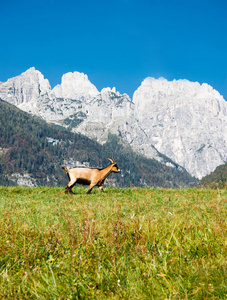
(75,86)
(25,89)
(171,94)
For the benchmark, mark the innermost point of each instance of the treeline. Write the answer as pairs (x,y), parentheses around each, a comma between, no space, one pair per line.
(25,147)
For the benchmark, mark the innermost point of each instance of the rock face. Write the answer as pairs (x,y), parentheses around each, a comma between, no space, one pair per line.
(183,120)
(26,90)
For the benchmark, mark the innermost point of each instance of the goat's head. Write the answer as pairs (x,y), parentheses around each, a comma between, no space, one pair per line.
(114,165)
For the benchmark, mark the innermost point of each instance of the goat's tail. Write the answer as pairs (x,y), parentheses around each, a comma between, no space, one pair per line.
(65,169)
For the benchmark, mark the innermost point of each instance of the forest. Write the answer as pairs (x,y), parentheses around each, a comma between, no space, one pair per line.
(29,145)
(216,179)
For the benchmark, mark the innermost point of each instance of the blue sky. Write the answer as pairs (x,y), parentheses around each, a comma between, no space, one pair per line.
(116,43)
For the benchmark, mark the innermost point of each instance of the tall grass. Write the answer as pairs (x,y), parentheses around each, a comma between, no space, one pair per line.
(121,244)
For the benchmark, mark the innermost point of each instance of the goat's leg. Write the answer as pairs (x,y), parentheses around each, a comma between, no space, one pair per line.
(90,188)
(69,187)
(89,191)
(70,190)
(101,188)
(101,185)
(66,190)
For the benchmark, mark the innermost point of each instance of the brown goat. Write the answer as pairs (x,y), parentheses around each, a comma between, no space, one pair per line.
(89,176)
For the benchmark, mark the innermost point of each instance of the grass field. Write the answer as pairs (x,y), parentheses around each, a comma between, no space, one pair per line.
(122,244)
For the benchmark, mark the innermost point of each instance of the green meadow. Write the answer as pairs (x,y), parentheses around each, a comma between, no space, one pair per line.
(130,243)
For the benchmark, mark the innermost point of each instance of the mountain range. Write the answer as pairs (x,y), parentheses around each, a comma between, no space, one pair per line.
(33,151)
(185,121)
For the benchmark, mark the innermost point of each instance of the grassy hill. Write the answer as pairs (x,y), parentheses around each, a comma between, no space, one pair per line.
(218,178)
(32,148)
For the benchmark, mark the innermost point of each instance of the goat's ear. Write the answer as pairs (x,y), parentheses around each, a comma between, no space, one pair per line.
(111,160)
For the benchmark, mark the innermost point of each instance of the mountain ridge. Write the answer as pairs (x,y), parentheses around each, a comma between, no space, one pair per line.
(184,120)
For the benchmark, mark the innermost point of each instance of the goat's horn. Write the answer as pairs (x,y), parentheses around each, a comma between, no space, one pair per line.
(111,159)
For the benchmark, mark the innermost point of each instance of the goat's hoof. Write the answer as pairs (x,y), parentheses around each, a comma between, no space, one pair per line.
(69,192)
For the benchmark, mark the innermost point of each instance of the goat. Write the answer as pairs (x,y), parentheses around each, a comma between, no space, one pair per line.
(89,176)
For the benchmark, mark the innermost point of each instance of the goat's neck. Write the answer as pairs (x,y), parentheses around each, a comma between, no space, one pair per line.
(106,171)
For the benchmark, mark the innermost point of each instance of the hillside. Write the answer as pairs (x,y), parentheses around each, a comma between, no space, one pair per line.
(218,178)
(32,152)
